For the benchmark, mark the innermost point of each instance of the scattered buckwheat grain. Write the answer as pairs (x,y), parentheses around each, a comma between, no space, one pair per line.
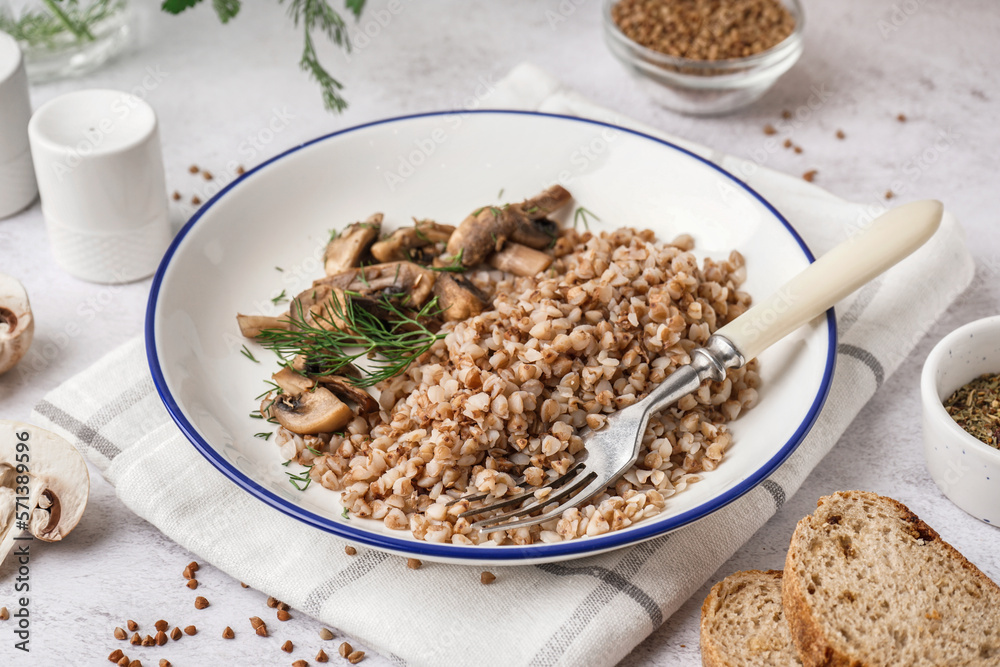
(135,640)
(192,584)
(196,200)
(116,655)
(889,194)
(810,175)
(272,603)
(769,130)
(350,551)
(200,602)
(325,634)
(901,118)
(345,650)
(356,657)
(300,663)
(322,656)
(176,634)
(283,615)
(413,563)
(194,169)
(287,647)
(123,661)
(164,662)
(228,633)
(161,625)
(840,134)
(190,630)
(487,578)
(120,633)
(176,196)
(148,641)
(131,625)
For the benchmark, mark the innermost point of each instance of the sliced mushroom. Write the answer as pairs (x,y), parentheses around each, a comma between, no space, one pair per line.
(480,234)
(57,489)
(547,202)
(458,298)
(311,412)
(348,248)
(406,242)
(402,283)
(346,391)
(17,325)
(252,325)
(520,260)
(292,382)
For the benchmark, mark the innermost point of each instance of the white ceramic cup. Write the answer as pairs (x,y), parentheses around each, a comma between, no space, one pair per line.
(100,174)
(17,178)
(965,469)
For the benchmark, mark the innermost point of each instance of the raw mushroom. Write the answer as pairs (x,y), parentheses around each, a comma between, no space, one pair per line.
(58,484)
(458,298)
(406,242)
(348,248)
(311,412)
(252,325)
(17,326)
(520,260)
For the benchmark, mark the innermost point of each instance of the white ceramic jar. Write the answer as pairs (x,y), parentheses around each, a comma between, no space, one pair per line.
(17,178)
(964,468)
(100,175)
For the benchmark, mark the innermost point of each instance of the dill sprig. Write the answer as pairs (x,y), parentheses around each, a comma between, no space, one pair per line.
(301,478)
(249,355)
(580,215)
(392,343)
(264,435)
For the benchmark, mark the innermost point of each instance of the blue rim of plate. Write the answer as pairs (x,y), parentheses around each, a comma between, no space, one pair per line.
(579,547)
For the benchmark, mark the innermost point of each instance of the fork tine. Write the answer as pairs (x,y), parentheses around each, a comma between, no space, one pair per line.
(570,487)
(595,487)
(518,481)
(521,496)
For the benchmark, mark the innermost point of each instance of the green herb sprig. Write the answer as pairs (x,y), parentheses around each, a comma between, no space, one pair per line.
(301,478)
(392,343)
(311,16)
(580,215)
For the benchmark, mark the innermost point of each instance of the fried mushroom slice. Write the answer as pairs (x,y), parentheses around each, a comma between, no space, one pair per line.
(402,283)
(483,232)
(458,298)
(252,325)
(520,260)
(349,248)
(311,412)
(346,391)
(405,243)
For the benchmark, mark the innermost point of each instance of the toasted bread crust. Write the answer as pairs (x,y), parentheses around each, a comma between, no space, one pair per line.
(711,656)
(814,647)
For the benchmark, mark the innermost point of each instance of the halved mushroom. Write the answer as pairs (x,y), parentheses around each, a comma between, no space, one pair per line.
(311,412)
(292,382)
(520,260)
(346,391)
(58,484)
(348,248)
(17,326)
(402,283)
(407,242)
(252,325)
(458,298)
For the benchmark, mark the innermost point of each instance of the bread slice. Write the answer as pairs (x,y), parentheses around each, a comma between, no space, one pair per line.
(742,624)
(867,583)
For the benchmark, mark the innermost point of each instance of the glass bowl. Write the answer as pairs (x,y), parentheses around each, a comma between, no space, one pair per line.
(704,87)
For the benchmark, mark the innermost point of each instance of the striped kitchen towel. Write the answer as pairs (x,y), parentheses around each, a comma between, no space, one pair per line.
(590,611)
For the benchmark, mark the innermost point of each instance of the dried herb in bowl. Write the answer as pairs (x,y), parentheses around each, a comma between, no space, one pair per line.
(976,408)
(705,29)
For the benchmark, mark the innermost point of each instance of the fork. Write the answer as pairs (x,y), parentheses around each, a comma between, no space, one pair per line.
(611,451)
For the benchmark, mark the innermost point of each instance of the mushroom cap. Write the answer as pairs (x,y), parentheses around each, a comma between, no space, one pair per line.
(347,249)
(58,481)
(312,412)
(17,326)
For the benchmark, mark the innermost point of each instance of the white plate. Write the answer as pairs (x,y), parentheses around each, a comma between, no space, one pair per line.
(441,166)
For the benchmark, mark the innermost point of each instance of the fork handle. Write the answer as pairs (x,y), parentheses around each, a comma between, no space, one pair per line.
(890,238)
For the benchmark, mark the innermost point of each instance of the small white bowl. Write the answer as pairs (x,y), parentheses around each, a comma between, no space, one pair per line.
(964,468)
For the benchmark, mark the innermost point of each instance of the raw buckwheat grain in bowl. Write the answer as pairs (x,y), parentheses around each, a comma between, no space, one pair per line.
(493,347)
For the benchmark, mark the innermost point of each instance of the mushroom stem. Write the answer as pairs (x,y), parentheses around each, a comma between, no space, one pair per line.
(17,326)
(520,260)
(252,325)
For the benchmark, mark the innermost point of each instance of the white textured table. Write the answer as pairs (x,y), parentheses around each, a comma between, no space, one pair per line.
(216,88)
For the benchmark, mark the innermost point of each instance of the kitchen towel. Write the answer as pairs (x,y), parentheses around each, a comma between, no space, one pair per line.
(590,611)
